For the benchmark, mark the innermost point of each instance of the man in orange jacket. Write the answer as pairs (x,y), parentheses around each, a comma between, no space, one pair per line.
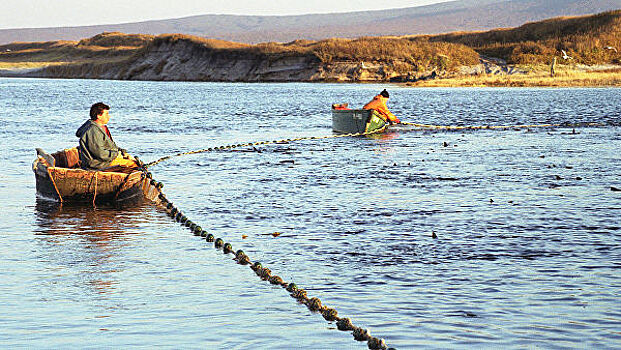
(379,104)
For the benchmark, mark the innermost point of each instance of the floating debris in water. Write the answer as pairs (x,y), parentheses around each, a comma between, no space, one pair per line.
(273,234)
(433,235)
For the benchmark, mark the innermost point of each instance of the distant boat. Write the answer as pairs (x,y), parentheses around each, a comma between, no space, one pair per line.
(354,121)
(59,179)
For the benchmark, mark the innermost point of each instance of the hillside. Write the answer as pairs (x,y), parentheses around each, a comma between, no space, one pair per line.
(463,15)
(588,39)
(185,57)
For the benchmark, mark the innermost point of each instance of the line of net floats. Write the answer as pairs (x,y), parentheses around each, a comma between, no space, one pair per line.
(314,304)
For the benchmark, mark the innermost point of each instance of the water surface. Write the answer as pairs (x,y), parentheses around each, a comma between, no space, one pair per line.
(528,228)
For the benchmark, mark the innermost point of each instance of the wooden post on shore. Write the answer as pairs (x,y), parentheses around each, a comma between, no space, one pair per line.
(552,67)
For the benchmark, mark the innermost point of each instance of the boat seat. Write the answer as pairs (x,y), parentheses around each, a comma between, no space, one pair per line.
(67,158)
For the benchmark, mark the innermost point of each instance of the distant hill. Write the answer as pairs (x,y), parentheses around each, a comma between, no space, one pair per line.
(463,15)
(590,40)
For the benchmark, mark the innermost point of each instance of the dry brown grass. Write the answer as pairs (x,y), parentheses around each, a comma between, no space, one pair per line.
(66,51)
(27,65)
(584,38)
(565,76)
(116,39)
(396,52)
(196,40)
(418,53)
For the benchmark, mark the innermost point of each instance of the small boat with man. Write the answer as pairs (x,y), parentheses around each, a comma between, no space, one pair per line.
(62,181)
(374,117)
(96,171)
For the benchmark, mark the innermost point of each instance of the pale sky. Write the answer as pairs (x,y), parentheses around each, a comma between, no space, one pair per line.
(66,13)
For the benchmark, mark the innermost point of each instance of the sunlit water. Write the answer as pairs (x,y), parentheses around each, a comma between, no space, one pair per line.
(527,256)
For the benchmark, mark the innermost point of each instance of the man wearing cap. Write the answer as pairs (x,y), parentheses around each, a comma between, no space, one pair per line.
(379,104)
(97,149)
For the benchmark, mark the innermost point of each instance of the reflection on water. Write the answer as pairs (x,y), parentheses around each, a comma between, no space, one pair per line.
(87,239)
(527,247)
(100,222)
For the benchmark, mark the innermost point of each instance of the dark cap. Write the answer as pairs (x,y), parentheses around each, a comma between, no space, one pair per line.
(384,93)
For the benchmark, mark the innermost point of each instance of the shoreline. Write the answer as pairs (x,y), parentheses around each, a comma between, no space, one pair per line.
(490,72)
(539,76)
(569,79)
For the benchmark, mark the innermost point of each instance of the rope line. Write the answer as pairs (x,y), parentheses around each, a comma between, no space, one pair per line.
(424,126)
(475,127)
(249,144)
(314,304)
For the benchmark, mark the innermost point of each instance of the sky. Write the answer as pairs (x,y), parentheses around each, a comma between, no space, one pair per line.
(66,13)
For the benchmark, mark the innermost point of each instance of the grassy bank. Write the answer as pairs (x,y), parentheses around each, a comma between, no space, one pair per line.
(105,47)
(538,76)
(594,39)
(589,40)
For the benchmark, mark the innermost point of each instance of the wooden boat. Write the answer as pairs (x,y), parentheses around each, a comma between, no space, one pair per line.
(353,121)
(59,178)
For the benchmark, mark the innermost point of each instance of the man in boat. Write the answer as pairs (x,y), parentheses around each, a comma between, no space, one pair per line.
(379,104)
(97,149)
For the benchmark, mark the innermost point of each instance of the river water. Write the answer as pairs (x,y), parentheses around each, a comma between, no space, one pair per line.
(528,228)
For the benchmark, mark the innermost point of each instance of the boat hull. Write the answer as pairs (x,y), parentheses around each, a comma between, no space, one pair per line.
(354,121)
(89,186)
